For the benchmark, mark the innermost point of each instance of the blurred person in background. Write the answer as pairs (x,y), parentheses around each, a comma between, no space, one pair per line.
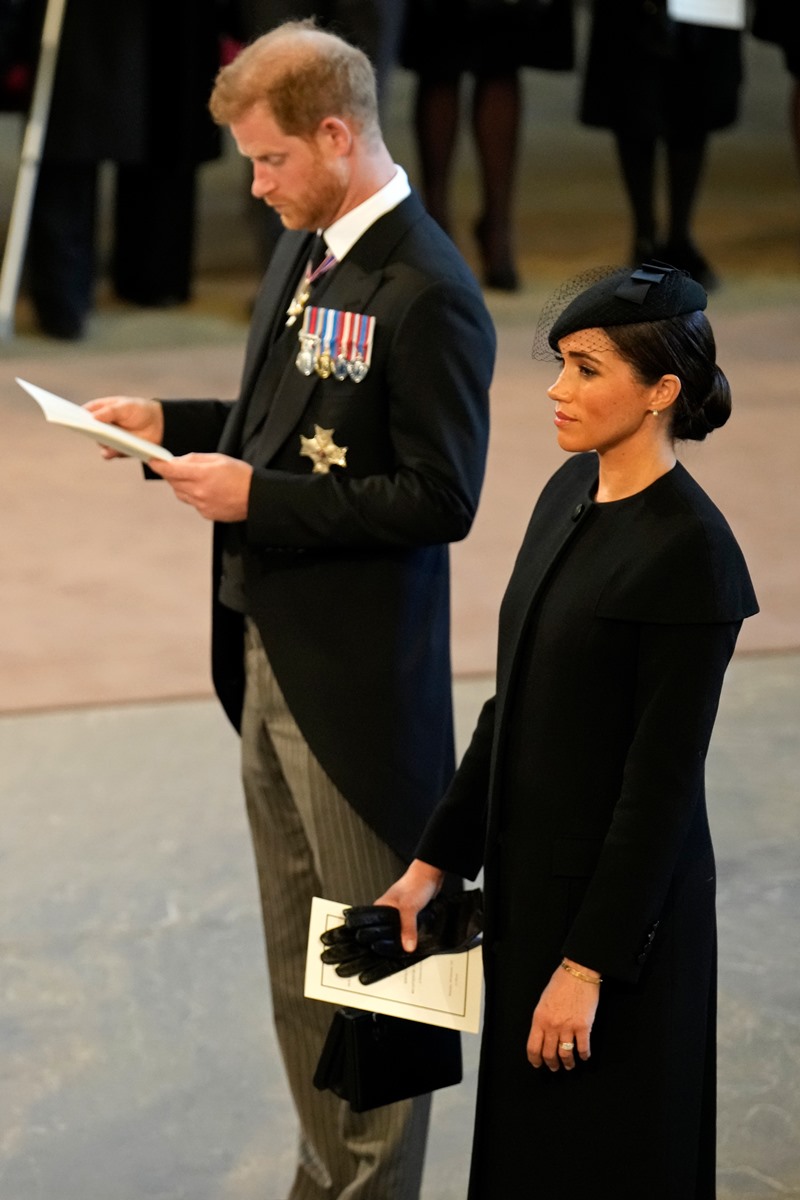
(778,21)
(656,82)
(131,88)
(489,42)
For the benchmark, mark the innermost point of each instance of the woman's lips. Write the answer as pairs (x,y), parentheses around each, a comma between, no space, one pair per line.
(561,418)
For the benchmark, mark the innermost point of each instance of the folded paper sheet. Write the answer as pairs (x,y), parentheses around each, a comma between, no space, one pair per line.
(726,14)
(71,416)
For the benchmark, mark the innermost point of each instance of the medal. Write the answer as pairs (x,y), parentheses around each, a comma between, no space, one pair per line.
(298,303)
(324,365)
(358,369)
(323,451)
(359,363)
(309,347)
(309,342)
(341,365)
(303,293)
(335,343)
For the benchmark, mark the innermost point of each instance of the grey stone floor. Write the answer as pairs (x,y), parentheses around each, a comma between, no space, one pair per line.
(135,1037)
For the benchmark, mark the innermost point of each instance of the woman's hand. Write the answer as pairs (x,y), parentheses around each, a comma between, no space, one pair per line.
(411,893)
(563,1018)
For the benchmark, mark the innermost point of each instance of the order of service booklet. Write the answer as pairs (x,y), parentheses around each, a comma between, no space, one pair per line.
(72,416)
(445,989)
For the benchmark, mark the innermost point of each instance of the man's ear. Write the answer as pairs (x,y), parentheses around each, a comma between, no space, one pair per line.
(336,134)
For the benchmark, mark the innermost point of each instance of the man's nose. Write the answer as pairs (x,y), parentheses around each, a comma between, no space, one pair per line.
(262,183)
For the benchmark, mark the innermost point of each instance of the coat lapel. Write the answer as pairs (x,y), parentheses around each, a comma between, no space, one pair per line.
(555,522)
(350,287)
(285,266)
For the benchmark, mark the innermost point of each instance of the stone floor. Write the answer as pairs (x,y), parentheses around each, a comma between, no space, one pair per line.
(138,1055)
(137,1051)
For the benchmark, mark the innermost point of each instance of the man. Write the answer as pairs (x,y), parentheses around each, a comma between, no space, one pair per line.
(374,26)
(355,452)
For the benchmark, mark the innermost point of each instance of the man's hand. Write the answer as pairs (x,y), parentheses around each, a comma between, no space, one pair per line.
(145,418)
(217,486)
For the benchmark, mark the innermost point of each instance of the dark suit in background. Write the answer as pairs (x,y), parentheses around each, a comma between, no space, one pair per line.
(131,88)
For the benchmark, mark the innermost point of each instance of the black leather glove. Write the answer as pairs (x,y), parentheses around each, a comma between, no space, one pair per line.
(368,943)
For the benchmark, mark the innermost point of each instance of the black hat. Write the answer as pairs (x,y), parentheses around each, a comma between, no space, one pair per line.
(653,292)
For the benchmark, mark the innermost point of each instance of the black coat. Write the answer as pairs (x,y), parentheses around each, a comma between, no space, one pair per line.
(582,795)
(442,38)
(779,22)
(132,82)
(648,75)
(347,574)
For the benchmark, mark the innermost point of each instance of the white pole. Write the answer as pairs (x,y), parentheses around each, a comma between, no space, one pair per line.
(29,167)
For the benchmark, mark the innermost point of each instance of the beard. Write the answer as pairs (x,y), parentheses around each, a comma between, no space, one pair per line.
(317,206)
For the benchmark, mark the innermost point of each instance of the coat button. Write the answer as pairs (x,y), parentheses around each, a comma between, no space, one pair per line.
(578,512)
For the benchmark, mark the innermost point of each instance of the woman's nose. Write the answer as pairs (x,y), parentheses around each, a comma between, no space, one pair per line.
(556,391)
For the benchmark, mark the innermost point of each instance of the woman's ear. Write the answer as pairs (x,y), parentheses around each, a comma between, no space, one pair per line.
(665,393)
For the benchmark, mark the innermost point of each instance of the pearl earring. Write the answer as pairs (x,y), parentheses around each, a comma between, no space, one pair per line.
(654,412)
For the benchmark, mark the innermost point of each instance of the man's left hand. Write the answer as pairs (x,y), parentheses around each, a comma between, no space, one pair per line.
(217,486)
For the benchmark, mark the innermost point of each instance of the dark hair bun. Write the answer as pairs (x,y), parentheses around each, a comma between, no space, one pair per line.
(694,418)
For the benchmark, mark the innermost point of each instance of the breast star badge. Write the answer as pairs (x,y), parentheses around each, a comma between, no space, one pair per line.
(323,451)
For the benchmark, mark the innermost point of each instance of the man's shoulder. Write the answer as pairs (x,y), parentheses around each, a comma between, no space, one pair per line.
(408,242)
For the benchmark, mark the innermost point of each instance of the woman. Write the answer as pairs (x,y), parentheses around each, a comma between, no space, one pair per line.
(779,23)
(657,83)
(491,41)
(582,794)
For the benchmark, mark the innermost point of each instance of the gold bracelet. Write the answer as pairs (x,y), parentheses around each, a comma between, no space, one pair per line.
(580,974)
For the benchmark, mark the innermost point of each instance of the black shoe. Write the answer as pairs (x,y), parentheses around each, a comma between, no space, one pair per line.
(67,326)
(499,271)
(686,256)
(153,299)
(642,251)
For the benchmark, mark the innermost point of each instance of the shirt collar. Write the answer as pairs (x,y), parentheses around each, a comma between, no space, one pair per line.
(342,235)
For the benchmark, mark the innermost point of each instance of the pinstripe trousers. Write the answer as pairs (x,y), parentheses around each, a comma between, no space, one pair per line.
(308,841)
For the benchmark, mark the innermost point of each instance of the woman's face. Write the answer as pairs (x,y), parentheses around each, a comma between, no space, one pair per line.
(600,402)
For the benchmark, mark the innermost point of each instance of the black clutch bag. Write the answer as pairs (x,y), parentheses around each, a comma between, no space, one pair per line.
(370,1059)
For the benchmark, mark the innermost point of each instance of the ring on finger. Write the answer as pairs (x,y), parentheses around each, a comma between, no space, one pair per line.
(566,1045)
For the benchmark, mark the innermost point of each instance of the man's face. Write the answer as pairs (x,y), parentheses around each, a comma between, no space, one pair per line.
(301,178)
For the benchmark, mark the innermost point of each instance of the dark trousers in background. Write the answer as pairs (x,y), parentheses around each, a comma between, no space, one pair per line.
(152,247)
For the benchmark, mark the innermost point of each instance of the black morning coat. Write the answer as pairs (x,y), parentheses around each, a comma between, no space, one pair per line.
(582,796)
(347,574)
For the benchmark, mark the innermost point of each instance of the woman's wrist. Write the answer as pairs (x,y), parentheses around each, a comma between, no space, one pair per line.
(586,974)
(423,872)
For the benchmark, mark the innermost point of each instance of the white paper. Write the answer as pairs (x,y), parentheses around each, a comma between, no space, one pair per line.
(445,989)
(72,416)
(728,14)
